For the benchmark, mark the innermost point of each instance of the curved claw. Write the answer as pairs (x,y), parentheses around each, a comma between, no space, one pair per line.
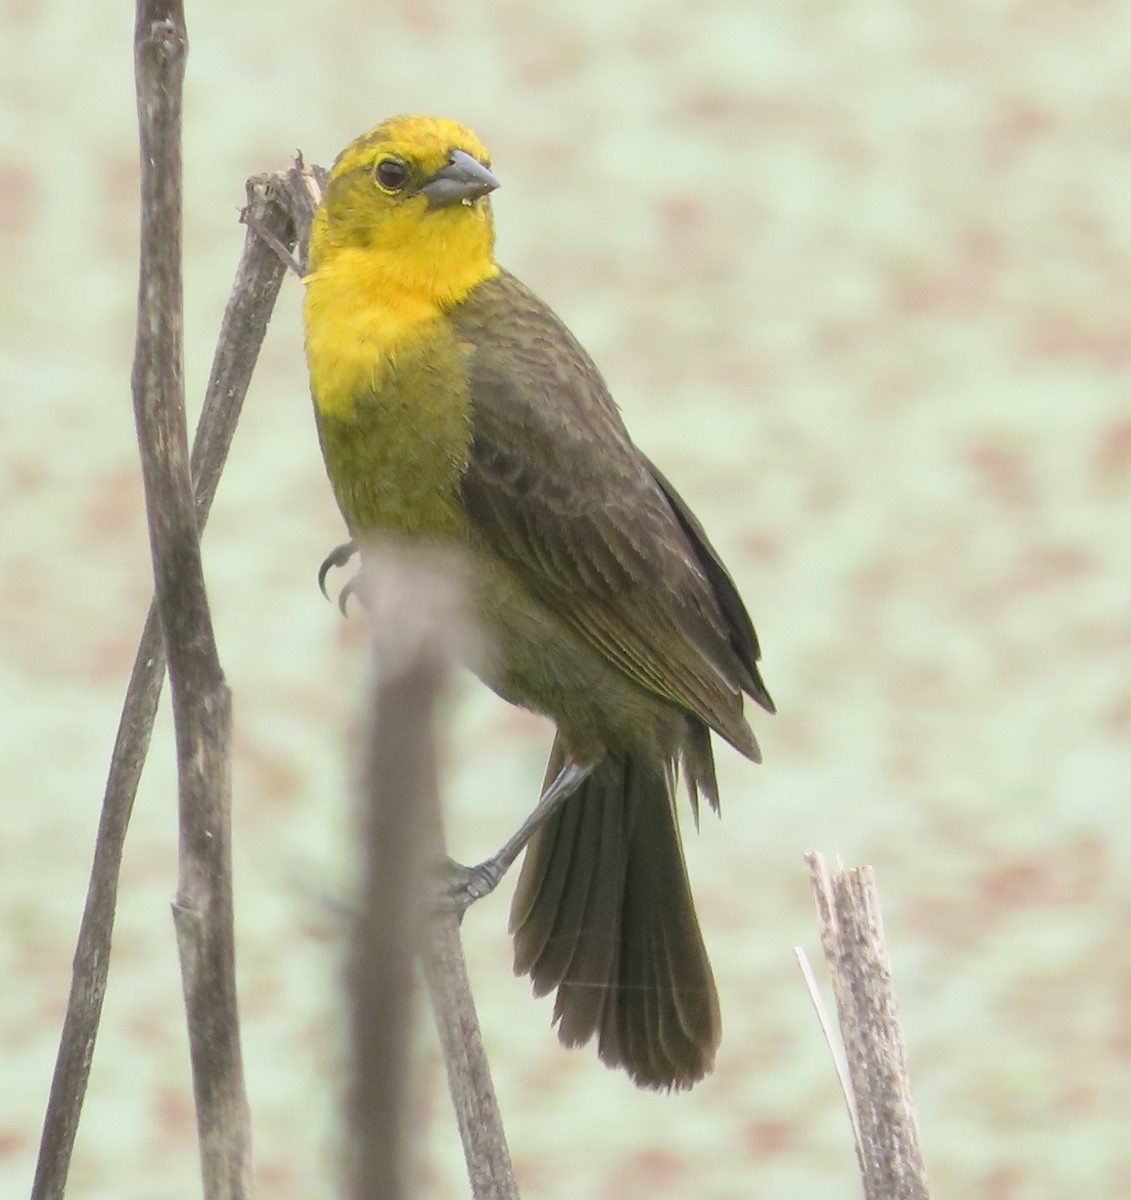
(351,589)
(338,557)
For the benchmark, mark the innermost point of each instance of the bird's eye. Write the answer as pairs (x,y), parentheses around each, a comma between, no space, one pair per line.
(391,174)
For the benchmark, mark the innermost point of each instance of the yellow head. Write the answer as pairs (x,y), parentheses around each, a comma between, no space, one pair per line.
(406,205)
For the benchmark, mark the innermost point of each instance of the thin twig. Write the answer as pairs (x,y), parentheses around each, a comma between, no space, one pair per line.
(840,1064)
(485,1151)
(277,206)
(469,1074)
(414,648)
(891,1165)
(256,286)
(414,604)
(92,952)
(304,187)
(202,910)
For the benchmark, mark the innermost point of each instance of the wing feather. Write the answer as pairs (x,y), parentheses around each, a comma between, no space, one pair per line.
(556,487)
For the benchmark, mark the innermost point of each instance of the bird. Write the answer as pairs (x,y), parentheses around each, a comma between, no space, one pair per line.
(455,409)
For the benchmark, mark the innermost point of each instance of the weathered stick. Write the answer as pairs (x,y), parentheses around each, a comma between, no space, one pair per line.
(202,910)
(891,1165)
(419,629)
(469,1075)
(271,199)
(414,647)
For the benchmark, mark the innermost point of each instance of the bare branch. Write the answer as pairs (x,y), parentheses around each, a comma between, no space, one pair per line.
(92,953)
(201,701)
(278,214)
(891,1164)
(276,209)
(414,646)
(469,1075)
(256,286)
(419,628)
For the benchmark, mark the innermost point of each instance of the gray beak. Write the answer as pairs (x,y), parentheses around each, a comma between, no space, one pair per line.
(463,179)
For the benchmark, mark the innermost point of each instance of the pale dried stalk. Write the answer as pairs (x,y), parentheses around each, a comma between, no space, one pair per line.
(891,1165)
(836,1049)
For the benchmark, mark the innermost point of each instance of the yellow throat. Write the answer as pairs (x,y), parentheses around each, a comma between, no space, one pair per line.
(385,262)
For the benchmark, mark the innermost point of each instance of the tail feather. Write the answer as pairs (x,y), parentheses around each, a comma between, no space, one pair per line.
(545,880)
(699,768)
(584,996)
(603,912)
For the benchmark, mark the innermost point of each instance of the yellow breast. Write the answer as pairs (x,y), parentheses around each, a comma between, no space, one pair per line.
(355,337)
(394,413)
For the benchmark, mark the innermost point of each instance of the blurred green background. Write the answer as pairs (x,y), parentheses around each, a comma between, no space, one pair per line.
(859,274)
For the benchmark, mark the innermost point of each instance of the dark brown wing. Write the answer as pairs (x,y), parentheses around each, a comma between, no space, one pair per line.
(559,491)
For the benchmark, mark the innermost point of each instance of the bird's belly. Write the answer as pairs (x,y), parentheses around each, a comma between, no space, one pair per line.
(534,659)
(396,453)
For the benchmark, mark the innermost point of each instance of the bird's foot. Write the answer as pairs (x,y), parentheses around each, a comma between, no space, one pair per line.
(458,887)
(354,587)
(338,557)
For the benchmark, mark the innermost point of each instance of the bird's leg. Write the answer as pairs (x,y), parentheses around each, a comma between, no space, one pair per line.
(462,886)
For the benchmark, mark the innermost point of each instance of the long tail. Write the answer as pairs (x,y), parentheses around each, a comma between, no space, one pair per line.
(603,912)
